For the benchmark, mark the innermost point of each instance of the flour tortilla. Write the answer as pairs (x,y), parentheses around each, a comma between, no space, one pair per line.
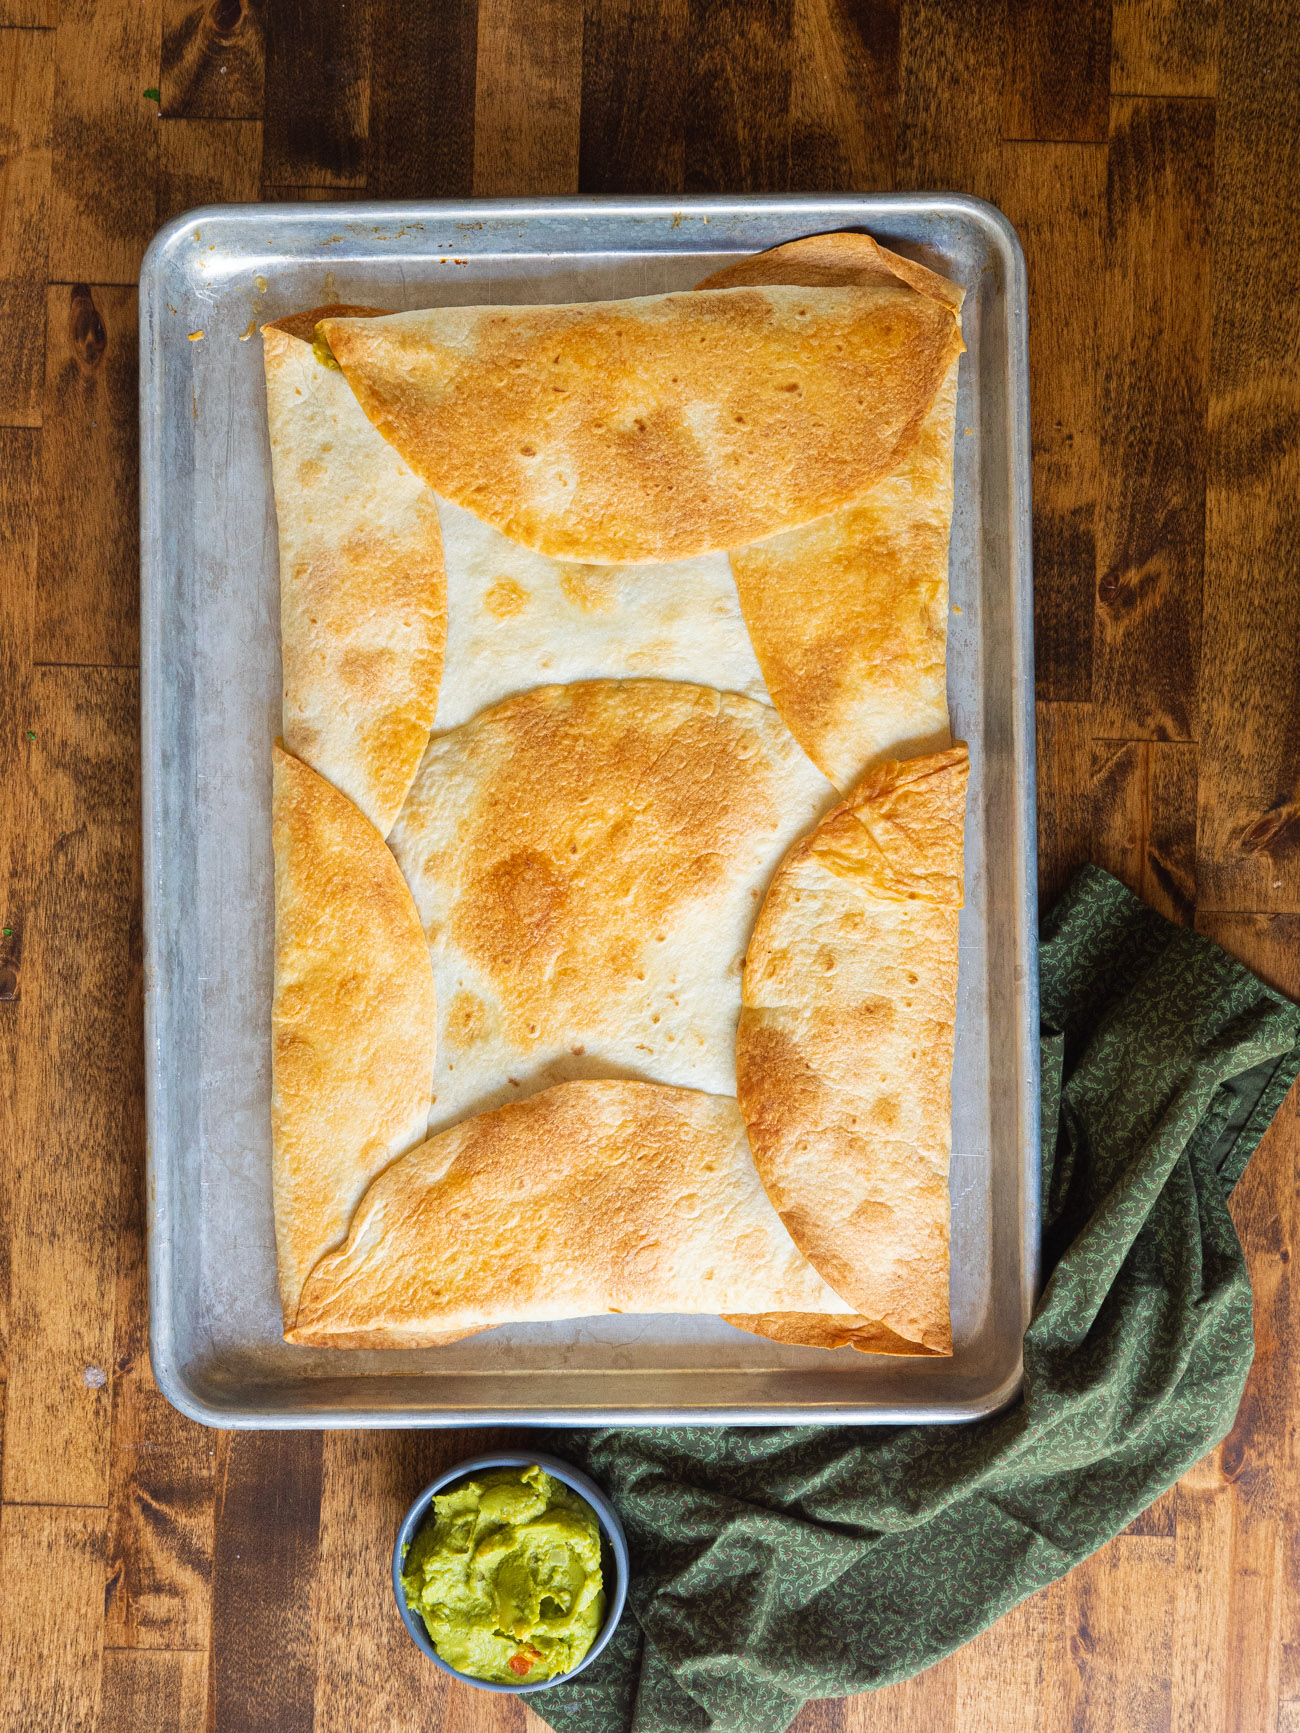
(849,614)
(657,428)
(837,260)
(362,593)
(588,1198)
(516,619)
(844,1051)
(352,1020)
(587,861)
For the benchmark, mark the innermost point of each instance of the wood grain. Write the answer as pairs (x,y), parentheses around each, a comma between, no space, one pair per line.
(86,604)
(308,195)
(738,96)
(1056,197)
(1202,1562)
(210,1583)
(635,74)
(207,162)
(18,458)
(1164,47)
(26,95)
(952,70)
(213,59)
(29,14)
(843,95)
(528,97)
(162,1484)
(1058,71)
(1257,1458)
(1261,1500)
(51,1589)
(1249,836)
(153,1691)
(79,1065)
(1064,808)
(316,111)
(1121,1665)
(925,1704)
(1144,820)
(1013,1668)
(420,142)
(105,132)
(263,1569)
(1155,357)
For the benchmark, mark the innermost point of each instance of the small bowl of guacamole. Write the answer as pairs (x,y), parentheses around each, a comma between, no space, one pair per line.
(511,1571)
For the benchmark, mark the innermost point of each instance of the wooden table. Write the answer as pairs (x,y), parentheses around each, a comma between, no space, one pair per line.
(154,1576)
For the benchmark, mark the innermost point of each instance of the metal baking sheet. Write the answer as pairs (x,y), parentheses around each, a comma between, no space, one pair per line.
(211,704)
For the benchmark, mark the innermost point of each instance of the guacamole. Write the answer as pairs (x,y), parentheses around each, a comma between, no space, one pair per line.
(323,353)
(505,1573)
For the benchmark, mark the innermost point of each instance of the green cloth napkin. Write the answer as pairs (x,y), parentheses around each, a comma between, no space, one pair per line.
(775,1565)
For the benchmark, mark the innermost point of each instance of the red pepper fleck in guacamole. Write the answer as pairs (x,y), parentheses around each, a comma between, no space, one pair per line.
(506,1575)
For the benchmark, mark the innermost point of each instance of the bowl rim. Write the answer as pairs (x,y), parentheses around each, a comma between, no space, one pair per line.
(577,1481)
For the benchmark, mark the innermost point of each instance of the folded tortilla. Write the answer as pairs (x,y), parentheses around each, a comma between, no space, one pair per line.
(587,861)
(589,1198)
(849,614)
(845,1046)
(656,428)
(353,1024)
(363,613)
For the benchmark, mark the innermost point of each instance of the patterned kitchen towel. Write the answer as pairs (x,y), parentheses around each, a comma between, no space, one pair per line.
(771,1566)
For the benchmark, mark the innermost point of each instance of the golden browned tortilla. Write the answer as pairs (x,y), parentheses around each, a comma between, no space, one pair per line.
(587,861)
(363,611)
(657,428)
(844,1052)
(589,1198)
(831,261)
(848,614)
(353,1023)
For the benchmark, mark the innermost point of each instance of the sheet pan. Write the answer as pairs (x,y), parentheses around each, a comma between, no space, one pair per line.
(211,701)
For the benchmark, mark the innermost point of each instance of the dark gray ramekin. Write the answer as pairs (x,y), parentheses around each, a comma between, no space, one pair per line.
(613,1553)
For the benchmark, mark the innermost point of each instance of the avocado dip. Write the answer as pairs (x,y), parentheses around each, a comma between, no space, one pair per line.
(505,1573)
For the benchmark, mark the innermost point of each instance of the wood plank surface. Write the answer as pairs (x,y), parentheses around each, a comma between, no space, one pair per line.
(528,97)
(162,1487)
(1248,837)
(105,139)
(27,94)
(51,1635)
(1154,366)
(160,1578)
(213,59)
(1056,197)
(154,1688)
(317,103)
(207,162)
(952,73)
(80,1113)
(19,453)
(420,140)
(635,77)
(87,608)
(1058,71)
(263,1570)
(843,96)
(1164,47)
(738,96)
